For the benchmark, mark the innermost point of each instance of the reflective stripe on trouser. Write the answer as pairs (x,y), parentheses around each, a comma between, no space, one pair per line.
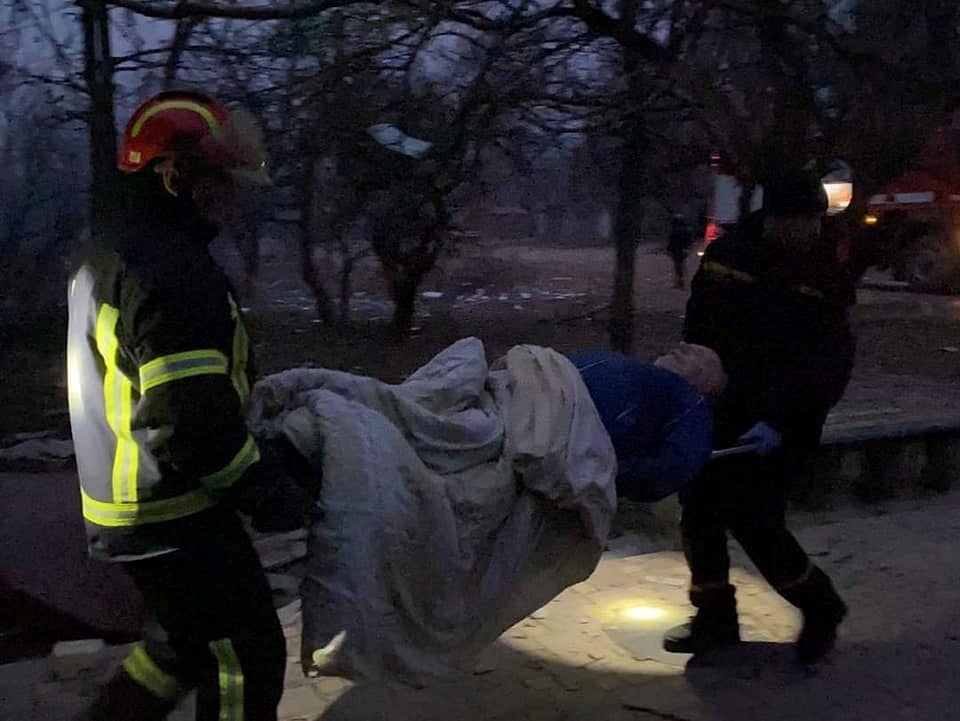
(213,588)
(230,679)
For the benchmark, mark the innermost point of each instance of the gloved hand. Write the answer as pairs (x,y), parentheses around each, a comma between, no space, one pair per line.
(766,437)
(278,492)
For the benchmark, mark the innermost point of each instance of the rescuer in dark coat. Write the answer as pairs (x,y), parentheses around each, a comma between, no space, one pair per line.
(771,300)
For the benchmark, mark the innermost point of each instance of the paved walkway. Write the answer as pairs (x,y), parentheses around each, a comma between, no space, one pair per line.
(594,652)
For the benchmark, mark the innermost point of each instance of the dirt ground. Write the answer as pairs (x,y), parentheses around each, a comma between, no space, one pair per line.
(501,293)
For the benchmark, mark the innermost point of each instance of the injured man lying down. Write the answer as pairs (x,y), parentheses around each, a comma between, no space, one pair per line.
(657,415)
(458,502)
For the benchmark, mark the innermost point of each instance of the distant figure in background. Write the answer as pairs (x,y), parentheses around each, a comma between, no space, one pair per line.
(678,247)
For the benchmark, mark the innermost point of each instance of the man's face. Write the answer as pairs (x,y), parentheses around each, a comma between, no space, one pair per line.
(700,366)
(211,189)
(215,197)
(799,234)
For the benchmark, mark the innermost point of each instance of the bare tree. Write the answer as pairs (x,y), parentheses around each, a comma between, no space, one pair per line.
(98,77)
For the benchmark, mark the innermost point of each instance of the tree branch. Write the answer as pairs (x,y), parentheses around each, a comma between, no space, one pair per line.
(181,9)
(599,23)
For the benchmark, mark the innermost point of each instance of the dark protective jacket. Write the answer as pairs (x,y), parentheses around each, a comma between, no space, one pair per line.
(158,363)
(661,427)
(779,324)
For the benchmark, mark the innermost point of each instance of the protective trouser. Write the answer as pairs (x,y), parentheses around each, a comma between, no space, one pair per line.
(213,629)
(747,497)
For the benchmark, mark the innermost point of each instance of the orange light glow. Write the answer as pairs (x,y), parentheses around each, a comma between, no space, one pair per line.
(712,232)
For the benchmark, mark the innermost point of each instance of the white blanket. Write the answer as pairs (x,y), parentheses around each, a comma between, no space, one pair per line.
(453,504)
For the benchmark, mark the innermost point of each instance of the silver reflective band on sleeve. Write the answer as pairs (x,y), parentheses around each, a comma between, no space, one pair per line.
(182,365)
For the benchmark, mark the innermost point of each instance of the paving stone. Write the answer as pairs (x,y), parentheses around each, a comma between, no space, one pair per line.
(299,704)
(486,663)
(294,677)
(540,683)
(15,705)
(327,686)
(25,674)
(611,682)
(672,581)
(498,702)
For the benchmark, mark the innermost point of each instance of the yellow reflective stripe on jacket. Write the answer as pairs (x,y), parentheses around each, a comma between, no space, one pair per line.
(118,407)
(725,271)
(241,350)
(246,457)
(182,365)
(142,669)
(230,676)
(118,515)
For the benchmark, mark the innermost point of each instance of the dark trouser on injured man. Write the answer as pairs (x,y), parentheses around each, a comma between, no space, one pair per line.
(747,497)
(213,629)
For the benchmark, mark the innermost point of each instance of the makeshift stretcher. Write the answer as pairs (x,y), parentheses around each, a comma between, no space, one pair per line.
(741,450)
(453,505)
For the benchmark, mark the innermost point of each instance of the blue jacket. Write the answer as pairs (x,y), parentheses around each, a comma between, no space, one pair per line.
(661,427)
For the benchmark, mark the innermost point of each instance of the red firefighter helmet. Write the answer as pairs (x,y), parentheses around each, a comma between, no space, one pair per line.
(178,122)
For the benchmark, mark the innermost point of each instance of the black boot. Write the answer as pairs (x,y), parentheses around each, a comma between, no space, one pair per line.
(715,624)
(823,611)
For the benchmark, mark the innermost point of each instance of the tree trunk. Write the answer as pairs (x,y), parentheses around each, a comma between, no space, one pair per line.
(345,272)
(625,236)
(627,225)
(745,204)
(247,242)
(403,290)
(308,270)
(98,75)
(181,36)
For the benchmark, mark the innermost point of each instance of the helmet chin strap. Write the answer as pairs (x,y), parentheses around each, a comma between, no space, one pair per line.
(169,174)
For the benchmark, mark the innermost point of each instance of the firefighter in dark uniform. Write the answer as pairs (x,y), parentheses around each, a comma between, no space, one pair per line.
(158,380)
(771,300)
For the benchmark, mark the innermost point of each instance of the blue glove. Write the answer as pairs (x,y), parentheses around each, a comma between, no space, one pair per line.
(766,437)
